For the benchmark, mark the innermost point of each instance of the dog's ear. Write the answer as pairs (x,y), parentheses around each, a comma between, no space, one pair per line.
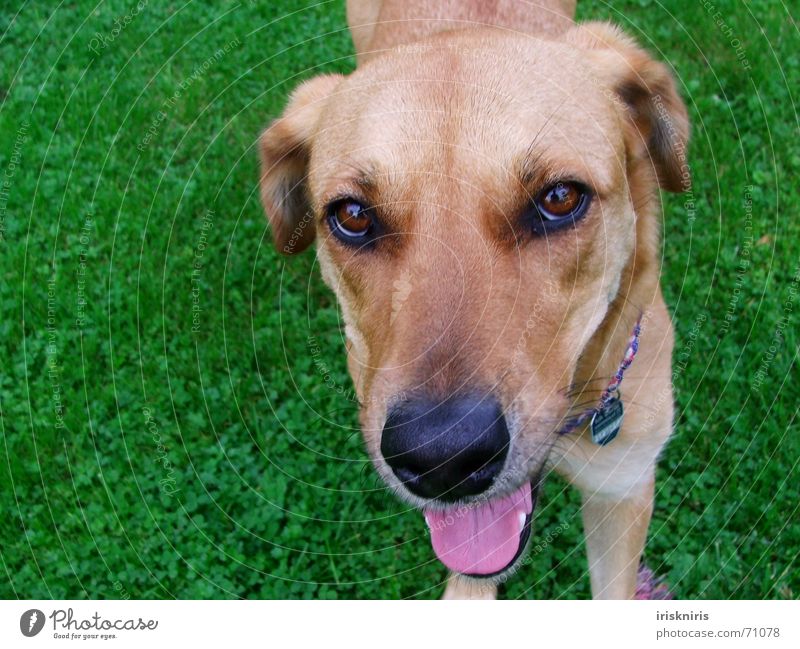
(285,148)
(656,119)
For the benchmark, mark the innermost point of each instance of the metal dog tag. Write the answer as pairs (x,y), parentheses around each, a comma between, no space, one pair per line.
(607,421)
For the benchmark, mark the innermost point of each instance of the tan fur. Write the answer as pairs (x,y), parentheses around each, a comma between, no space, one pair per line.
(449,128)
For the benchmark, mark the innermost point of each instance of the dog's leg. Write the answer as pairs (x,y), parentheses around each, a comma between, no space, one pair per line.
(616,530)
(459,587)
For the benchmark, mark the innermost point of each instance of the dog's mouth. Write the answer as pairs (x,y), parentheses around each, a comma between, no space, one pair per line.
(483,539)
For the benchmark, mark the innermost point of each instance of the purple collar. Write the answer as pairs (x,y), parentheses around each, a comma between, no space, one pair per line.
(606,416)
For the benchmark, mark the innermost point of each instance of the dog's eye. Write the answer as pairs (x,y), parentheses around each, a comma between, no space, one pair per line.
(349,219)
(561,204)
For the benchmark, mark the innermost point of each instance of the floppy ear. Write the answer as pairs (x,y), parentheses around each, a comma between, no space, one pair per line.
(285,150)
(657,123)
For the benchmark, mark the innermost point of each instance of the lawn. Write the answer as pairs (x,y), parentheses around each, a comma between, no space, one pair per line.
(174,400)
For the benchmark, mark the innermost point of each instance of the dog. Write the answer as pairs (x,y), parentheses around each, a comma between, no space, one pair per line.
(483,191)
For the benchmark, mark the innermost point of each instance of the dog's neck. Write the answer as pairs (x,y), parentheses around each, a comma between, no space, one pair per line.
(378,25)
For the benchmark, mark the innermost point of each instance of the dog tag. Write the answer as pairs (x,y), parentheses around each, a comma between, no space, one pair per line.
(606,422)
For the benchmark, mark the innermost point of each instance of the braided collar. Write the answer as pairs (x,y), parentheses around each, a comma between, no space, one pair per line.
(606,416)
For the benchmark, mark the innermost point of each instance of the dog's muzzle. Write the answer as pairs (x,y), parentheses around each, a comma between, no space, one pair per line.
(454,450)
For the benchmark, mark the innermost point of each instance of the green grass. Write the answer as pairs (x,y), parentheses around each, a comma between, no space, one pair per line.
(273,494)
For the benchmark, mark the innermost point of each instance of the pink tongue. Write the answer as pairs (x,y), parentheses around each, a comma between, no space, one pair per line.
(480,538)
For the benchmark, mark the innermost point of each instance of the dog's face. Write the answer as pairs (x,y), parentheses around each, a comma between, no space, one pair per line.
(475,201)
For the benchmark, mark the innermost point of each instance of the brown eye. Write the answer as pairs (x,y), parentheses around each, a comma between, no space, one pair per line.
(561,204)
(349,219)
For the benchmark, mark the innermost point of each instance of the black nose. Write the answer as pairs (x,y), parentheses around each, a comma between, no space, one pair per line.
(446,450)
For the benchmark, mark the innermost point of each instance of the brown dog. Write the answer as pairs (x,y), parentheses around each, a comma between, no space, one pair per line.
(483,191)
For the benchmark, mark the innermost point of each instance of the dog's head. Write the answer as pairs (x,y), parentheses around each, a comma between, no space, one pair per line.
(478,200)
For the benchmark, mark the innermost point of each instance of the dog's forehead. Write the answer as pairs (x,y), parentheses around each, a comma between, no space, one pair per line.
(481,102)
